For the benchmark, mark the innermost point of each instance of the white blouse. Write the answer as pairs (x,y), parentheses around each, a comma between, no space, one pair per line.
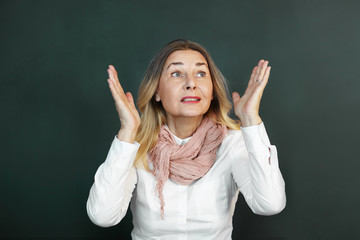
(245,162)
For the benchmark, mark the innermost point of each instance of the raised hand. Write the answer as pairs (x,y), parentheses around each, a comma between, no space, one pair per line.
(128,114)
(247,106)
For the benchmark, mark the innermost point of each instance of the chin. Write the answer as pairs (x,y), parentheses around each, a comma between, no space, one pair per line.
(192,114)
(199,112)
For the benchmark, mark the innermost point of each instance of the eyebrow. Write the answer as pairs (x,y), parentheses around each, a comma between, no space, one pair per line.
(180,63)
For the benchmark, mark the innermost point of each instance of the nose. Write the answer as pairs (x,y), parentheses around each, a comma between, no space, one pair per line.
(190,83)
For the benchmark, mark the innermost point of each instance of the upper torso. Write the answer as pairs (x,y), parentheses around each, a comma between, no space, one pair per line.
(201,210)
(245,162)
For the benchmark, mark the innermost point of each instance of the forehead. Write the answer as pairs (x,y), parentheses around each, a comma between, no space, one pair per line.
(186,57)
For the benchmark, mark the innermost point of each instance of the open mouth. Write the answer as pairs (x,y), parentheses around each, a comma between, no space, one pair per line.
(190,99)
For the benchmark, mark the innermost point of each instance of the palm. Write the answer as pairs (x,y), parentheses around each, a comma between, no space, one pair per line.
(125,106)
(247,106)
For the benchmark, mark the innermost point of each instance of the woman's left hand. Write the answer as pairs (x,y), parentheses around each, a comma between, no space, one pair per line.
(247,106)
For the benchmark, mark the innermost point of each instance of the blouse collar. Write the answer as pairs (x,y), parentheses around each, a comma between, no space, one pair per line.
(178,140)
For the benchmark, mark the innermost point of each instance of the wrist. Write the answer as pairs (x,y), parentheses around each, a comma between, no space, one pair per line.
(247,121)
(127,135)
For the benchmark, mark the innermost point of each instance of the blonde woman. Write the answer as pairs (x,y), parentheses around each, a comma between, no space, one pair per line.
(181,164)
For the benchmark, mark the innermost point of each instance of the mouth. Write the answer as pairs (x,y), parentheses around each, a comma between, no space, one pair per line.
(190,99)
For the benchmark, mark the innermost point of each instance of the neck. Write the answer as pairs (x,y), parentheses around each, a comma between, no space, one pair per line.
(183,127)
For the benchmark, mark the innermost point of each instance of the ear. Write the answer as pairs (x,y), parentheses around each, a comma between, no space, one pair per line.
(157,97)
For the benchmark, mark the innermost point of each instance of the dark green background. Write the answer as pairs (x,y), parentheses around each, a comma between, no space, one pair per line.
(58,117)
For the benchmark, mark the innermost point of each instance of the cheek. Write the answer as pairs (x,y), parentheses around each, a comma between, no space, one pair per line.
(168,96)
(165,94)
(208,91)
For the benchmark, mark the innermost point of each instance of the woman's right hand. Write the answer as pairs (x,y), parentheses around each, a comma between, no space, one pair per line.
(128,114)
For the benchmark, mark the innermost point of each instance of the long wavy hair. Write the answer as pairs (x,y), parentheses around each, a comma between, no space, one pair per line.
(153,115)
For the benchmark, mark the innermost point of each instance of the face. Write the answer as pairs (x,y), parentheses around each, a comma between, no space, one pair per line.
(185,87)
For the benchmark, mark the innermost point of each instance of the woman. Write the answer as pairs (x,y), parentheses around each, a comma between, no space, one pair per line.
(183,163)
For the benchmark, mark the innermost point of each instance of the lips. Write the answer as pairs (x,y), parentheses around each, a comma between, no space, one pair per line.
(190,99)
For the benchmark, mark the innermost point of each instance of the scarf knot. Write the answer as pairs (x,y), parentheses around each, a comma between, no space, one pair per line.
(185,163)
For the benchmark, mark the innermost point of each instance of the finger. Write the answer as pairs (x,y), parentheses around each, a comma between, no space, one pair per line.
(114,72)
(236,97)
(114,91)
(260,63)
(262,71)
(111,75)
(257,71)
(113,68)
(260,88)
(266,75)
(253,73)
(130,98)
(115,80)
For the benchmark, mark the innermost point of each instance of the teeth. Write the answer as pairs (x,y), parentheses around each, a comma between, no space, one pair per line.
(190,99)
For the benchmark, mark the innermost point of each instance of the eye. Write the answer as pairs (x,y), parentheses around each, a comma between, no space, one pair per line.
(176,74)
(201,74)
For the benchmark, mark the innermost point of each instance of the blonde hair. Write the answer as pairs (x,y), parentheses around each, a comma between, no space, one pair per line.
(153,115)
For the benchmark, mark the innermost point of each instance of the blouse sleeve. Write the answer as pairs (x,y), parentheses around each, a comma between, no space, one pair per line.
(256,172)
(113,185)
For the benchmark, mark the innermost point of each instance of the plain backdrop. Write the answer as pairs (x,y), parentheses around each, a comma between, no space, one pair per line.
(58,117)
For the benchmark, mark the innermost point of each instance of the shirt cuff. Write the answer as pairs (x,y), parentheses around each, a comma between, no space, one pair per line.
(122,154)
(255,138)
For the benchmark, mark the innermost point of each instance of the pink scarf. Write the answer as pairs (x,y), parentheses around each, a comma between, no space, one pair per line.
(185,163)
